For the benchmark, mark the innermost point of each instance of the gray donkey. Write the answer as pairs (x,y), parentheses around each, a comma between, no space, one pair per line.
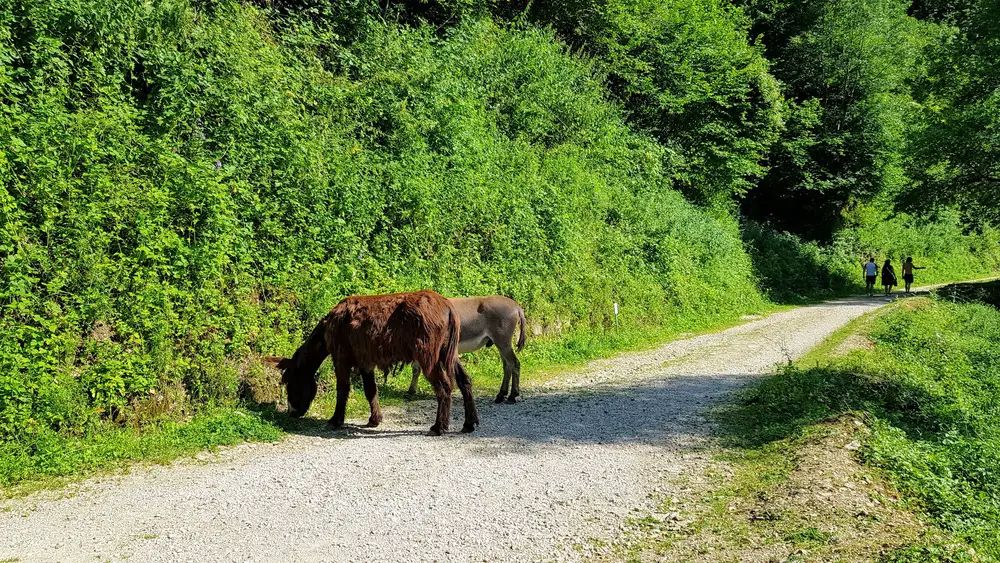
(485,321)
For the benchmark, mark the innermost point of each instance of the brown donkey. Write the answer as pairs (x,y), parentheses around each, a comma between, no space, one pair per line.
(382,331)
(485,321)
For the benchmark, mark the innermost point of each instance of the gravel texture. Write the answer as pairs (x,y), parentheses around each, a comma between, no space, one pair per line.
(538,480)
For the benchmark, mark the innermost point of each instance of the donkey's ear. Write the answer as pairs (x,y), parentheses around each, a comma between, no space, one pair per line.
(278,362)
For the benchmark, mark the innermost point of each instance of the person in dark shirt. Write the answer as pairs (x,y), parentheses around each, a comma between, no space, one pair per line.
(888,276)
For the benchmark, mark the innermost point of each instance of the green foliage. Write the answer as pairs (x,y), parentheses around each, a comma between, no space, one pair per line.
(846,66)
(793,270)
(929,388)
(956,152)
(187,187)
(684,70)
(686,73)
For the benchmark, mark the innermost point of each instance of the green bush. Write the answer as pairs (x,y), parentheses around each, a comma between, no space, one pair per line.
(188,186)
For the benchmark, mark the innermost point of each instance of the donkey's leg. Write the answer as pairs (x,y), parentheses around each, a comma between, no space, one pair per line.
(505,384)
(442,390)
(343,374)
(511,370)
(413,382)
(371,393)
(465,385)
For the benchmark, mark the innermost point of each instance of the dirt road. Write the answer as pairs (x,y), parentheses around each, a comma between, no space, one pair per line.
(571,462)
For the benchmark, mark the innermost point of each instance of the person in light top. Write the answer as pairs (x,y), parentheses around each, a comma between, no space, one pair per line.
(871,272)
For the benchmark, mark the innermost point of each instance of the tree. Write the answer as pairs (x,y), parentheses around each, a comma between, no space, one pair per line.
(956,155)
(686,73)
(846,67)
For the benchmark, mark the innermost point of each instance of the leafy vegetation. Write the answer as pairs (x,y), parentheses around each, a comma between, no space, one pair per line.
(188,185)
(204,186)
(956,148)
(928,388)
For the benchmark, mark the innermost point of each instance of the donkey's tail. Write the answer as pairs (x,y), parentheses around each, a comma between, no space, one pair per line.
(450,350)
(521,339)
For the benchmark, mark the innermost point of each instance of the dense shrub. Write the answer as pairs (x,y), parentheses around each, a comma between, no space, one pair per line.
(790,269)
(186,186)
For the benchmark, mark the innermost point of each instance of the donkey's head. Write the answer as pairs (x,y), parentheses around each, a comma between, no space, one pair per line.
(300,381)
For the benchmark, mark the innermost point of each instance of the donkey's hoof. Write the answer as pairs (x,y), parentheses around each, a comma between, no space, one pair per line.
(500,398)
(409,395)
(374,421)
(468,427)
(434,431)
(512,399)
(335,424)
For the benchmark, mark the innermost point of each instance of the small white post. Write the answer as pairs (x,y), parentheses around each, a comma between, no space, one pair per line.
(616,313)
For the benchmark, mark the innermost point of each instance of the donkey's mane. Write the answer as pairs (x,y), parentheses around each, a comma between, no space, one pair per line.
(308,357)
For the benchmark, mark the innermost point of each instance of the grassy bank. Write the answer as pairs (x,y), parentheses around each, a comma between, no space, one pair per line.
(898,412)
(56,459)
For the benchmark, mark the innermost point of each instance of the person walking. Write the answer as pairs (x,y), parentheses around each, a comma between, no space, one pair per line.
(871,271)
(908,268)
(888,276)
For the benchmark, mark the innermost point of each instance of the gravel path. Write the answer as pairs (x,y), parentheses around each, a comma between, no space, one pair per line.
(569,463)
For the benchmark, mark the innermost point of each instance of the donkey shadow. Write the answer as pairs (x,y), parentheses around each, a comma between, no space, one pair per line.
(669,410)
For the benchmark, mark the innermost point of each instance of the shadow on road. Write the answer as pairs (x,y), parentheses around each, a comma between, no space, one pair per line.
(658,411)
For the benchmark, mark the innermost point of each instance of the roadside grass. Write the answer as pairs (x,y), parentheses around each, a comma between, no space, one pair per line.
(883,443)
(53,460)
(803,498)
(56,460)
(928,390)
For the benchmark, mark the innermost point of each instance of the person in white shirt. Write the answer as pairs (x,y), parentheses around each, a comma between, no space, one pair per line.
(871,271)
